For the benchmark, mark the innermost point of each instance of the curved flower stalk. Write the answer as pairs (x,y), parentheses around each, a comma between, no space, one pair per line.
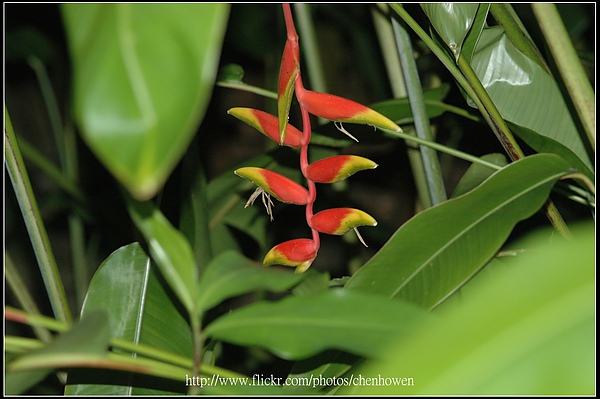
(301,252)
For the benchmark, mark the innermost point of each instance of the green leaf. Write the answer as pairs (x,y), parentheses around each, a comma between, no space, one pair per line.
(452,21)
(232,274)
(398,109)
(141,311)
(524,93)
(479,23)
(541,143)
(529,330)
(169,249)
(299,327)
(143,76)
(85,341)
(477,173)
(439,250)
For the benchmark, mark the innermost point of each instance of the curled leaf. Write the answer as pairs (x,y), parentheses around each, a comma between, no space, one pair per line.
(268,125)
(282,188)
(299,253)
(337,168)
(341,109)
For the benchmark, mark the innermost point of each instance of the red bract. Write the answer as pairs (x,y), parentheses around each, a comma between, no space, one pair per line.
(288,72)
(339,221)
(300,253)
(268,125)
(341,109)
(282,188)
(337,168)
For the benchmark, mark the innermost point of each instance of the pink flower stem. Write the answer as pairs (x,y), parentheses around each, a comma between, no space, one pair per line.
(289,23)
(312,188)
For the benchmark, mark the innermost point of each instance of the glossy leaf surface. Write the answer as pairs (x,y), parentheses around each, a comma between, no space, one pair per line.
(527,330)
(452,21)
(141,311)
(143,76)
(540,106)
(232,274)
(169,249)
(439,250)
(298,327)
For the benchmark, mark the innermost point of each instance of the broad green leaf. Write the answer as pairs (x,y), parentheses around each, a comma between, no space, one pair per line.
(529,330)
(194,219)
(477,173)
(439,250)
(299,327)
(546,144)
(321,369)
(525,94)
(232,274)
(143,76)
(452,22)
(85,341)
(169,249)
(140,311)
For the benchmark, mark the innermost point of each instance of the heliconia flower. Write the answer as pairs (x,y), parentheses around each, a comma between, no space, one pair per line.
(341,109)
(282,188)
(288,73)
(299,253)
(268,125)
(337,168)
(339,221)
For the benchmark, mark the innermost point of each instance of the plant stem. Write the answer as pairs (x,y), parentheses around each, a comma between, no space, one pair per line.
(442,148)
(431,164)
(20,290)
(35,226)
(469,82)
(249,88)
(569,66)
(505,15)
(66,145)
(310,47)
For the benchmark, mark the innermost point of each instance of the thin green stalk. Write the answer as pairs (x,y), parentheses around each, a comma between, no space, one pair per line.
(469,82)
(66,146)
(198,340)
(249,88)
(32,155)
(431,164)
(442,148)
(505,15)
(387,42)
(33,222)
(310,47)
(467,79)
(51,105)
(569,66)
(21,292)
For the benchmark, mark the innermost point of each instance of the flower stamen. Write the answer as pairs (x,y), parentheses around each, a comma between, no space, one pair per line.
(341,129)
(266,200)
